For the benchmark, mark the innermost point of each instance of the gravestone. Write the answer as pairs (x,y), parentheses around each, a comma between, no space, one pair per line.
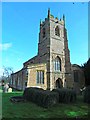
(10,90)
(6,87)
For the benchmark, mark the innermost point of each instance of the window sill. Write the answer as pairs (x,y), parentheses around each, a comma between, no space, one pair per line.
(40,83)
(57,71)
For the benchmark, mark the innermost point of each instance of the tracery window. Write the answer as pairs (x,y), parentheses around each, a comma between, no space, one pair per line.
(57,64)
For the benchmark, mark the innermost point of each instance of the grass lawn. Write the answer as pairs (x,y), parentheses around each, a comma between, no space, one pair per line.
(30,110)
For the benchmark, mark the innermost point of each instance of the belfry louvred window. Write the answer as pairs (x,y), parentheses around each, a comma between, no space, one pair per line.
(57,32)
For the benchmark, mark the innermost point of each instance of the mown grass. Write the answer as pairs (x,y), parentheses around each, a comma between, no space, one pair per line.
(31,110)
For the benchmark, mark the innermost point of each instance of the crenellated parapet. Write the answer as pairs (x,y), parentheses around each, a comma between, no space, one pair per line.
(51,17)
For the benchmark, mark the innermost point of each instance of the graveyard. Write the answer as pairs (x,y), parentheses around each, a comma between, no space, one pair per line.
(21,110)
(56,68)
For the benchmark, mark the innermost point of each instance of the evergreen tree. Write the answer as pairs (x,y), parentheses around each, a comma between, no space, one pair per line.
(86,69)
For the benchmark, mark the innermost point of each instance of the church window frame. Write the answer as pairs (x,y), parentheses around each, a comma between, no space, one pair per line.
(11,81)
(14,80)
(57,64)
(18,81)
(40,77)
(57,31)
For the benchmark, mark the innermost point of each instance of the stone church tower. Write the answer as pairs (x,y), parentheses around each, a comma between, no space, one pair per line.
(51,67)
(53,50)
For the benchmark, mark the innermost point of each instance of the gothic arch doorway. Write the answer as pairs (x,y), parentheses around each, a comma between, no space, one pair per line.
(59,83)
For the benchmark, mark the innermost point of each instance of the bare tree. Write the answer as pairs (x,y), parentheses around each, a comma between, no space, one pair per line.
(7,73)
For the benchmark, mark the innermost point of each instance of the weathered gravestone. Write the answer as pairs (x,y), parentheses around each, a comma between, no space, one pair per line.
(6,87)
(10,90)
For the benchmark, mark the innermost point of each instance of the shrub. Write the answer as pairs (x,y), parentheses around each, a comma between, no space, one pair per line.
(41,97)
(66,95)
(87,95)
(29,93)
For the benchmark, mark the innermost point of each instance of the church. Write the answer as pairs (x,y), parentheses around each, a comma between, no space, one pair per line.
(51,67)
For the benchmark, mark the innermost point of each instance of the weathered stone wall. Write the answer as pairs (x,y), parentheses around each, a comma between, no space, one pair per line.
(18,80)
(59,47)
(81,79)
(49,47)
(32,79)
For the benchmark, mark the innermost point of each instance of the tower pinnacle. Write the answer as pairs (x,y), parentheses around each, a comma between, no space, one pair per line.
(40,22)
(64,19)
(48,13)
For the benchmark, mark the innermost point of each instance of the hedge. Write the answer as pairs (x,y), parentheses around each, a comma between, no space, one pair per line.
(66,95)
(29,93)
(87,95)
(41,97)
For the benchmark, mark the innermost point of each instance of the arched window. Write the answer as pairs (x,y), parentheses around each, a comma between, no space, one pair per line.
(57,64)
(57,32)
(44,32)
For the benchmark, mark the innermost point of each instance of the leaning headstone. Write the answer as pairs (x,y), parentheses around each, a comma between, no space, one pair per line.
(10,90)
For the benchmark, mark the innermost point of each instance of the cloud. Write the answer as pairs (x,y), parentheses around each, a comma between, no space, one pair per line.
(5,46)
